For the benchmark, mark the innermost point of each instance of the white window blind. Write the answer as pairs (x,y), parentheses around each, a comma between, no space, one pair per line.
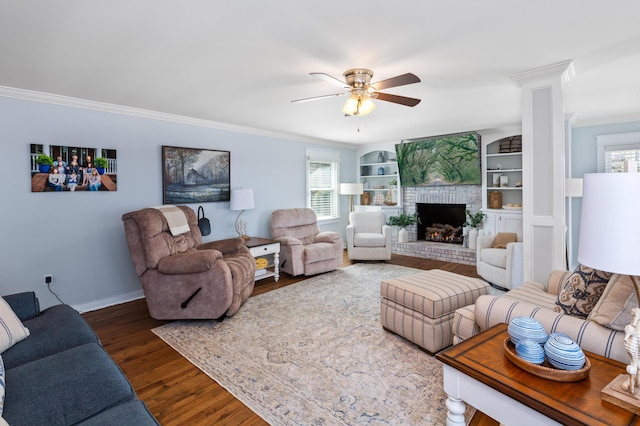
(322,183)
(615,157)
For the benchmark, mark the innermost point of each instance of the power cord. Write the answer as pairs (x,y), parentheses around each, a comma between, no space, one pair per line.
(54,293)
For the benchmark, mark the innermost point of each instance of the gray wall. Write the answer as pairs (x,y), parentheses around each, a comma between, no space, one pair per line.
(584,160)
(79,238)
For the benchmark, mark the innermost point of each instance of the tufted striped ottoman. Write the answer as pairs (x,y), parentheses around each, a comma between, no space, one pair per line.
(420,307)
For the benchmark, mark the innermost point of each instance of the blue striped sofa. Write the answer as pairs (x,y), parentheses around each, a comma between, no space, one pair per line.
(538,301)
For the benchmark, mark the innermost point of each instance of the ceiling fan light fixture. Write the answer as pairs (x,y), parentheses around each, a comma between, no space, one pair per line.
(366,106)
(351,106)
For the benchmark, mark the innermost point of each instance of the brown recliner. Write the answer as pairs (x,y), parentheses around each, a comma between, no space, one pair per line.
(183,278)
(303,248)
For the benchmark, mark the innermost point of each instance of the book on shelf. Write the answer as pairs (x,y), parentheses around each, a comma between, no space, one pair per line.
(261,271)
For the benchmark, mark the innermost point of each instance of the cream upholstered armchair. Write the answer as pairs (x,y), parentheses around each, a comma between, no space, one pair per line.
(368,237)
(183,278)
(500,259)
(303,248)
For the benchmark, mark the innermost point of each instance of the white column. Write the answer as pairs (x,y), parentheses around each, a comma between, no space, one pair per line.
(543,167)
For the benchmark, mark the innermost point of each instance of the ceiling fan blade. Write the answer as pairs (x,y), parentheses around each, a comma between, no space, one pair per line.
(399,80)
(315,98)
(402,100)
(330,79)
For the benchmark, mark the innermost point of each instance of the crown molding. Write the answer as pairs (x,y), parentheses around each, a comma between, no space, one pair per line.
(563,69)
(31,95)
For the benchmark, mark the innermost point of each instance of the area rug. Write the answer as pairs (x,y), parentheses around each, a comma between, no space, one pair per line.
(314,353)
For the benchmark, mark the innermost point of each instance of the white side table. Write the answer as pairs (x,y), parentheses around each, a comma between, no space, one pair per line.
(263,246)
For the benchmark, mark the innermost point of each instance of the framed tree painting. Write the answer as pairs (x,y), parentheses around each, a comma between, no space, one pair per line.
(193,175)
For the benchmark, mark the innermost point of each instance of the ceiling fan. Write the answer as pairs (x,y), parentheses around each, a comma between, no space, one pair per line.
(361,91)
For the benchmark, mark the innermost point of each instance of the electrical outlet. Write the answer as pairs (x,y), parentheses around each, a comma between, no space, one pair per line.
(48,279)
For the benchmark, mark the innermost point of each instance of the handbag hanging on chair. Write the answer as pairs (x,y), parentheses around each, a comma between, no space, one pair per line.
(203,223)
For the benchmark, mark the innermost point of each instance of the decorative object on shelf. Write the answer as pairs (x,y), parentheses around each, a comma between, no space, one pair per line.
(261,263)
(495,200)
(351,189)
(496,180)
(564,353)
(241,199)
(365,199)
(378,187)
(389,200)
(546,371)
(530,351)
(607,200)
(512,206)
(510,144)
(474,222)
(378,199)
(403,220)
(393,182)
(381,157)
(504,181)
(192,175)
(521,328)
(380,171)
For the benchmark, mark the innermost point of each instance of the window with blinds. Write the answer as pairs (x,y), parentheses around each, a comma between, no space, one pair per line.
(617,151)
(322,184)
(615,158)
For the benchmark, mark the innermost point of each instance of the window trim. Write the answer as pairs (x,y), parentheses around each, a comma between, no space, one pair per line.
(313,155)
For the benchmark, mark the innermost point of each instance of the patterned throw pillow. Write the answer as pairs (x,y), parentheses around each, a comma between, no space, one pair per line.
(613,310)
(11,329)
(581,290)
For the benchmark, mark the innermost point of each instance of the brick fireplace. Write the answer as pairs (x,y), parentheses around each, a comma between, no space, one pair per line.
(468,195)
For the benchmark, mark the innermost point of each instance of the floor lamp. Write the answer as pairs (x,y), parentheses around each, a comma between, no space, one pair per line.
(351,189)
(241,199)
(610,241)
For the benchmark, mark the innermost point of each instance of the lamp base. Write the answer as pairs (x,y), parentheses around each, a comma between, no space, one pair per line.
(616,393)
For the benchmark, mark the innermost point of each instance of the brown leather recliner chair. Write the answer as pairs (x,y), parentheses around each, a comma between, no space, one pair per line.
(183,278)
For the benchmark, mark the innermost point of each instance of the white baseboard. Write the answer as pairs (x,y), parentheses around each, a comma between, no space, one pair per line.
(111,301)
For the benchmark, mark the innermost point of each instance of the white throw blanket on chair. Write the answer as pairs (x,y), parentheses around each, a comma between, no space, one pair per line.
(176,219)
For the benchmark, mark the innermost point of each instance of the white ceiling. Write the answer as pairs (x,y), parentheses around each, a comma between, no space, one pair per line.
(241,62)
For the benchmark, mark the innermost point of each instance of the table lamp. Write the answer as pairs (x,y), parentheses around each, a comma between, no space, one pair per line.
(610,241)
(351,189)
(241,199)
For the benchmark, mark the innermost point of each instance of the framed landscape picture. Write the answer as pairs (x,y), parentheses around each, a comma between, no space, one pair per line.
(194,175)
(441,160)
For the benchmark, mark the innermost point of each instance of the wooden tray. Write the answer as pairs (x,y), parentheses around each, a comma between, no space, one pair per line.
(545,370)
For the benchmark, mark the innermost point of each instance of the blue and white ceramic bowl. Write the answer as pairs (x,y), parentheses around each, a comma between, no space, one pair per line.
(526,328)
(530,350)
(564,353)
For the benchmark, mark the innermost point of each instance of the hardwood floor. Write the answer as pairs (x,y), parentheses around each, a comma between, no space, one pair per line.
(176,392)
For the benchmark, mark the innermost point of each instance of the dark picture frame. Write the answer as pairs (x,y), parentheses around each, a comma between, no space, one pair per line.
(195,175)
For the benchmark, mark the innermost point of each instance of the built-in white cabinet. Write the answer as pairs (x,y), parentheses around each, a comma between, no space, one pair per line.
(378,173)
(502,221)
(502,179)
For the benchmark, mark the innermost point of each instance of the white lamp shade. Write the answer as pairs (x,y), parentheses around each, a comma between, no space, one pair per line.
(241,199)
(351,188)
(609,227)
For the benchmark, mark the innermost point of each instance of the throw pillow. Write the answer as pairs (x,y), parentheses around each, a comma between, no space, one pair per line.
(613,310)
(11,329)
(581,290)
(2,386)
(504,238)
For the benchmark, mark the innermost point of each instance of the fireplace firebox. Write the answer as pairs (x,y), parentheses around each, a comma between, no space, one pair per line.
(441,222)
